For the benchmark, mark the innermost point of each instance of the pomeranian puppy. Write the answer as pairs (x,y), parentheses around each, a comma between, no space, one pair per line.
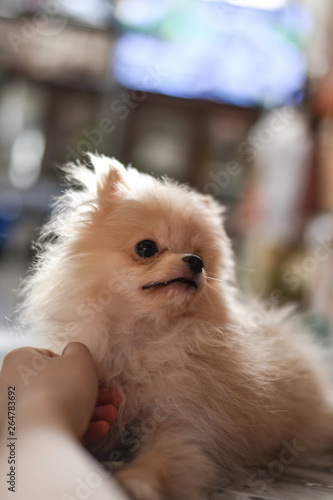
(141,271)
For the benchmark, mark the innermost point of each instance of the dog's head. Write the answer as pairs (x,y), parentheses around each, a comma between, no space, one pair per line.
(155,246)
(127,247)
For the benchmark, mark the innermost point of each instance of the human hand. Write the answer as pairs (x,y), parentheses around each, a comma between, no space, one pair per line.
(105,413)
(55,397)
(62,392)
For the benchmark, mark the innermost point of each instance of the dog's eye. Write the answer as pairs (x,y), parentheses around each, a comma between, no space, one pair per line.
(146,248)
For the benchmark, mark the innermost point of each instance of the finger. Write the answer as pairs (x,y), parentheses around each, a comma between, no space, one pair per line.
(108,413)
(106,396)
(82,360)
(83,375)
(74,348)
(95,431)
(26,354)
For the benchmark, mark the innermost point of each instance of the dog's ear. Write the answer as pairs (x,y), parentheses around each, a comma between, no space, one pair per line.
(213,205)
(111,177)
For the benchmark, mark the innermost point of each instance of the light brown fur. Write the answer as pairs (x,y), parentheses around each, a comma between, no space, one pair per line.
(205,391)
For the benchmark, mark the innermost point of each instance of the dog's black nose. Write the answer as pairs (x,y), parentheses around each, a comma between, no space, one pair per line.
(195,262)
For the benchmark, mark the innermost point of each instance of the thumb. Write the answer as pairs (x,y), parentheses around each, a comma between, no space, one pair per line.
(82,363)
(76,348)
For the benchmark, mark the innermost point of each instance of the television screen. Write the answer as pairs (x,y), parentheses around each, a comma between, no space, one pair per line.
(213,50)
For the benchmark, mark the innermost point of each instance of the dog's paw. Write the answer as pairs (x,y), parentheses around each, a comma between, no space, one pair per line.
(139,489)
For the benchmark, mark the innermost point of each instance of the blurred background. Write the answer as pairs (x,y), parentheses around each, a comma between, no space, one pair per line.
(234,97)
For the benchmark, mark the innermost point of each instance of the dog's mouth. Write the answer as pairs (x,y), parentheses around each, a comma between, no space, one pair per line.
(187,281)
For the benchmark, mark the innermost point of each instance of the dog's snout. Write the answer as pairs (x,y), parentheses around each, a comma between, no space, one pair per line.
(195,262)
